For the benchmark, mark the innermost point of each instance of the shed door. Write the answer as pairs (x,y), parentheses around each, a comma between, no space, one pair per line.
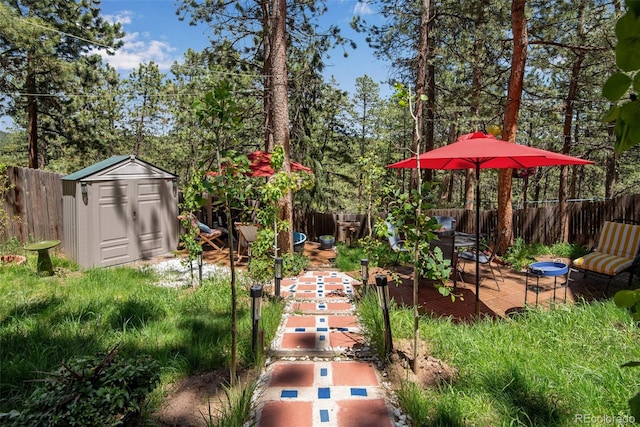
(150,216)
(115,223)
(131,221)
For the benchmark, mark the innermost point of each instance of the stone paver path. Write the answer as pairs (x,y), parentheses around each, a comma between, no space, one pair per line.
(320,373)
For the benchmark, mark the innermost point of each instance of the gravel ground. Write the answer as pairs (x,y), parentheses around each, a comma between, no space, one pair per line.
(175,273)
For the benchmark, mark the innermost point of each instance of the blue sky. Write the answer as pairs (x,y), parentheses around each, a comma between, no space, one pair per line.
(154,33)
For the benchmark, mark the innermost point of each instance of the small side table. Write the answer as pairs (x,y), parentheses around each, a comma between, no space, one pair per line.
(546,269)
(44,260)
(349,228)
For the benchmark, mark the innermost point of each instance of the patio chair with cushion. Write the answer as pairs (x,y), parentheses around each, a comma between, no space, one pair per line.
(618,251)
(487,256)
(247,234)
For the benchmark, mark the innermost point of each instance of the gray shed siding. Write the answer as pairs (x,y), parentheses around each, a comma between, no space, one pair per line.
(128,212)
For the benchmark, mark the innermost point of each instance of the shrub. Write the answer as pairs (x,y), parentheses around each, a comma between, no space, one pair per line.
(261,268)
(89,391)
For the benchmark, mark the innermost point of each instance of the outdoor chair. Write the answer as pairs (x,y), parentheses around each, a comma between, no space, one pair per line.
(487,256)
(247,234)
(618,251)
(446,242)
(396,243)
(206,234)
(446,222)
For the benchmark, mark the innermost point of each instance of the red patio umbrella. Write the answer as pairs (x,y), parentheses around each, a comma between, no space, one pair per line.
(480,151)
(261,164)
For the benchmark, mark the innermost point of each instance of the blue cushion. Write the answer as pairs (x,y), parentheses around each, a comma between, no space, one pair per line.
(204,228)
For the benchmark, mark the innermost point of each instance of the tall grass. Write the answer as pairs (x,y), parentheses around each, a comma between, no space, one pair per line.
(46,320)
(235,410)
(542,368)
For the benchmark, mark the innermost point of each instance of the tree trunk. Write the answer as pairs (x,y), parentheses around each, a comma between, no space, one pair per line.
(421,79)
(32,112)
(566,130)
(280,107)
(514,96)
(266,76)
(563,212)
(429,139)
(476,89)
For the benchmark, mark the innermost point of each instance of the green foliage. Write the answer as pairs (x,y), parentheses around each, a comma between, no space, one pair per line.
(630,300)
(261,268)
(236,410)
(45,320)
(372,322)
(407,212)
(348,257)
(627,114)
(192,201)
(529,370)
(521,254)
(90,391)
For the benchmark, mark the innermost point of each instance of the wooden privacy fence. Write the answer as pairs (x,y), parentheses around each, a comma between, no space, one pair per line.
(533,225)
(34,208)
(33,205)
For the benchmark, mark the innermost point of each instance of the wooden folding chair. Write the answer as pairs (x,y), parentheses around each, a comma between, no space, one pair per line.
(209,236)
(247,234)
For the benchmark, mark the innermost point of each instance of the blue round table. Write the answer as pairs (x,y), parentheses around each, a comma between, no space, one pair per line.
(547,269)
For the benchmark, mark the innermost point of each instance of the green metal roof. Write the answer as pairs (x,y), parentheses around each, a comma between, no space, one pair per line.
(97,167)
(107,163)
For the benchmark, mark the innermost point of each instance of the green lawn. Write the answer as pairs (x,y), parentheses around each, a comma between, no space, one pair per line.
(542,368)
(47,320)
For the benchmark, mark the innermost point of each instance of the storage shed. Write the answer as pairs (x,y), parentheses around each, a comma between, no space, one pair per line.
(119,210)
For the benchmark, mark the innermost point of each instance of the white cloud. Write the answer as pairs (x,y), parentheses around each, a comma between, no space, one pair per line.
(123,17)
(362,8)
(138,48)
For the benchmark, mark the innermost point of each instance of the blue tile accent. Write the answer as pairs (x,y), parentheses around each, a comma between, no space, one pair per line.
(322,320)
(300,329)
(324,393)
(322,306)
(289,393)
(322,338)
(323,372)
(323,329)
(343,329)
(324,415)
(358,391)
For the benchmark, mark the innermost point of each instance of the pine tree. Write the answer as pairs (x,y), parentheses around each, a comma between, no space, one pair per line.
(45,44)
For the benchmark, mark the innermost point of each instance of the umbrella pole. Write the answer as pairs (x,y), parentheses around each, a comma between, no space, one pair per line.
(477,238)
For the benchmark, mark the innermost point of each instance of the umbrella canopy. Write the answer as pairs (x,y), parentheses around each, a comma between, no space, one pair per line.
(480,151)
(261,164)
(477,150)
